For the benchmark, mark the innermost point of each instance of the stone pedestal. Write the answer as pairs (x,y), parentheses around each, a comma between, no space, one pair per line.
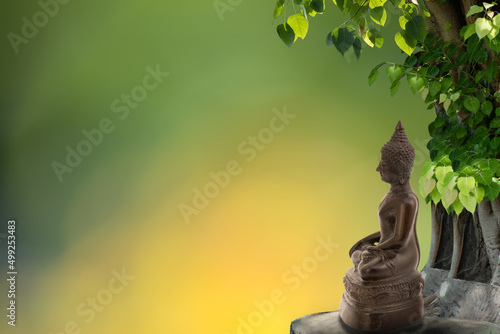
(455,298)
(330,323)
(381,305)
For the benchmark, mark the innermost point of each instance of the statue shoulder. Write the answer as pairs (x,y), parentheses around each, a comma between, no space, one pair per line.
(410,200)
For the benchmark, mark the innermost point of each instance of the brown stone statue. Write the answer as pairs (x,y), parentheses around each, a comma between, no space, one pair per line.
(384,288)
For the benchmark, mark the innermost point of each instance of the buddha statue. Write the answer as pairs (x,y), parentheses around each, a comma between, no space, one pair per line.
(383,289)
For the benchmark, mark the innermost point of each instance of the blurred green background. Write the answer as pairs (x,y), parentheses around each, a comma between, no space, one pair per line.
(119,210)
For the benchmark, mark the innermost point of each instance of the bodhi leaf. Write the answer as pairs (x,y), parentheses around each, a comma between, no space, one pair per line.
(468,31)
(492,190)
(489,164)
(457,206)
(318,5)
(343,38)
(472,104)
(466,184)
(415,28)
(442,171)
(474,10)
(376,3)
(450,196)
(394,72)
(395,86)
(416,83)
(286,34)
(357,47)
(428,185)
(299,24)
(483,27)
(378,15)
(280,4)
(434,88)
(405,43)
(469,202)
(373,37)
(372,77)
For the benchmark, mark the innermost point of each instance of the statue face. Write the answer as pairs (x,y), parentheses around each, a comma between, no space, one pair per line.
(388,171)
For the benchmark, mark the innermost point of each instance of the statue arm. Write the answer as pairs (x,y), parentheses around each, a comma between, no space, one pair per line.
(405,219)
(366,241)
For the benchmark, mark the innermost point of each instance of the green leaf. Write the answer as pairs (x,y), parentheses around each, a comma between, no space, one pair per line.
(487,108)
(299,24)
(450,52)
(415,28)
(457,206)
(475,48)
(434,88)
(472,104)
(428,169)
(297,2)
(436,196)
(403,20)
(469,202)
(280,4)
(378,15)
(393,72)
(441,172)
(318,5)
(479,193)
(376,3)
(468,31)
(474,10)
(447,104)
(357,47)
(449,196)
(462,58)
(450,181)
(495,143)
(416,83)
(286,34)
(405,43)
(394,87)
(488,5)
(433,71)
(483,27)
(446,84)
(491,71)
(484,177)
(466,183)
(442,98)
(495,123)
(460,133)
(489,164)
(496,20)
(455,96)
(492,190)
(372,77)
(425,92)
(428,185)
(343,39)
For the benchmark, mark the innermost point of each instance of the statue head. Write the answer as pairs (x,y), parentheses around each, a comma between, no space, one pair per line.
(397,157)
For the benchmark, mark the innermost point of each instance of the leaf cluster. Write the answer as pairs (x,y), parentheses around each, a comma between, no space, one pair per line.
(457,79)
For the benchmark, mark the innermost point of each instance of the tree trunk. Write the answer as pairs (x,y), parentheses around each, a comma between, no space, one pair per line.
(462,275)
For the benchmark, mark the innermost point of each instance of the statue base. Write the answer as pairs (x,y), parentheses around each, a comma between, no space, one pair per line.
(381,305)
(330,323)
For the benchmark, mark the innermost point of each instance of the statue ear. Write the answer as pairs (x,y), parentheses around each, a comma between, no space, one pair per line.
(401,172)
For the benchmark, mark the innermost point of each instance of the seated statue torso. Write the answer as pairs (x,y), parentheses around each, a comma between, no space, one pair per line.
(393,251)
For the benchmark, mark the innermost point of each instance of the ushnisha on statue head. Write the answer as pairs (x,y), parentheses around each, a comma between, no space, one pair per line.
(397,156)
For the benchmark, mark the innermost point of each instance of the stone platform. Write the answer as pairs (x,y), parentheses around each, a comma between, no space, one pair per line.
(330,323)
